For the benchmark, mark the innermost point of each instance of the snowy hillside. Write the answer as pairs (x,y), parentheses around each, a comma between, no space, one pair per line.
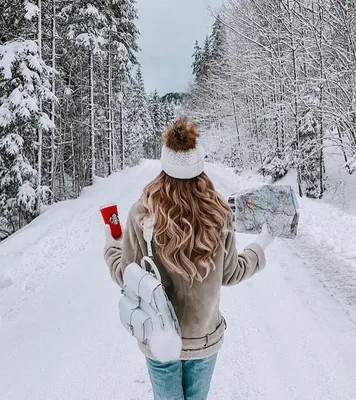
(291,329)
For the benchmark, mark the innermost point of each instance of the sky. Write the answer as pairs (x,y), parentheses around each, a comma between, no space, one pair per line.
(169,29)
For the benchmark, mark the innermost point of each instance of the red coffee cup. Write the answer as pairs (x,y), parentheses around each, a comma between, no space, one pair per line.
(110,216)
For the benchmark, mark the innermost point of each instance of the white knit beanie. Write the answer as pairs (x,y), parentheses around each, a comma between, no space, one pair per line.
(182,155)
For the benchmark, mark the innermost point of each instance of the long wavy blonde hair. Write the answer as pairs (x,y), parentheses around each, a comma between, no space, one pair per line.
(189,219)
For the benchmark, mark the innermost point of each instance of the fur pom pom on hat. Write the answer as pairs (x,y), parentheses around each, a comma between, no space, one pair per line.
(182,155)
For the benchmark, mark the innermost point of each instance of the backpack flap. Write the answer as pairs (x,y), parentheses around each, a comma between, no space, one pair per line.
(141,282)
(133,274)
(147,287)
(135,321)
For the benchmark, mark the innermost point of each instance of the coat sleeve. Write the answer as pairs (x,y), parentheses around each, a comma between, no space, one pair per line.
(238,267)
(118,254)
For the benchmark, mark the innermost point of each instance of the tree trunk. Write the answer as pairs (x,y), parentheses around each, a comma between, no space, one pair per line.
(110,117)
(76,190)
(121,130)
(321,93)
(53,105)
(92,121)
(343,149)
(40,132)
(236,122)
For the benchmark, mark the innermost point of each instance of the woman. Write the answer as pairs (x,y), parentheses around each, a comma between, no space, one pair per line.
(195,251)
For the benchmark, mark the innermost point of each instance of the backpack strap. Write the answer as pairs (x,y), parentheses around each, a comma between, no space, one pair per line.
(148,225)
(153,266)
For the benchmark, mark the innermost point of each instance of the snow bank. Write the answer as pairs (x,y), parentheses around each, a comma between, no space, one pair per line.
(330,227)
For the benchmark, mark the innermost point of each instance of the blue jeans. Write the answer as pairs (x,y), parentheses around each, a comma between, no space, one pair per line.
(181,380)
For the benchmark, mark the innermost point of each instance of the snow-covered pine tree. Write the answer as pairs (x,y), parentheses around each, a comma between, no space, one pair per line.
(195,101)
(197,65)
(206,57)
(309,150)
(153,144)
(168,111)
(139,129)
(218,40)
(24,81)
(174,108)
(175,98)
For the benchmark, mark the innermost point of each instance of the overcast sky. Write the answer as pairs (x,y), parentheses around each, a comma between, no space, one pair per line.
(169,29)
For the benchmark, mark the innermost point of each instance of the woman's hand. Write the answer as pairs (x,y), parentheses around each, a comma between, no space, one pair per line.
(264,239)
(110,241)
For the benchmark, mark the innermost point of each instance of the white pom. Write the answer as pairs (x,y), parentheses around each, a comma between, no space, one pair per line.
(165,345)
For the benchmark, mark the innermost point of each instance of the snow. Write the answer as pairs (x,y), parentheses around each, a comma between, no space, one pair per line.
(16,97)
(34,63)
(26,196)
(10,52)
(328,226)
(5,115)
(12,142)
(46,123)
(8,56)
(91,11)
(352,164)
(291,328)
(90,41)
(31,10)
(21,101)
(341,191)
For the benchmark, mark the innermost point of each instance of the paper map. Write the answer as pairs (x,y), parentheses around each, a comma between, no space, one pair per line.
(272,204)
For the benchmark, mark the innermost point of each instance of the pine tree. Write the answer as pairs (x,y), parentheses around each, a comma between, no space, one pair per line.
(158,124)
(218,40)
(168,111)
(123,30)
(206,57)
(173,98)
(139,125)
(24,83)
(309,152)
(201,60)
(197,62)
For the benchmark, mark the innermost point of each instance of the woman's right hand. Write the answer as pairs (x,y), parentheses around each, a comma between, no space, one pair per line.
(109,239)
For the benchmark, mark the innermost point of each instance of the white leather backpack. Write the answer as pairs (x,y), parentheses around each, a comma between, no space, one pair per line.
(145,310)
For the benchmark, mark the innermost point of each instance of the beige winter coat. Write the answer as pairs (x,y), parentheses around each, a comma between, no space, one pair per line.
(197,307)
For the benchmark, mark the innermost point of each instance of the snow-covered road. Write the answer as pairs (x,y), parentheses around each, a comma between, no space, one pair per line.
(291,329)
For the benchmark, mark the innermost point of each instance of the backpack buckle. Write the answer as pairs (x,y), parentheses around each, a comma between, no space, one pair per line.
(138,302)
(161,320)
(131,329)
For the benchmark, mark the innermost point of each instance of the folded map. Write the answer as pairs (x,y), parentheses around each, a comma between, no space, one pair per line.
(275,205)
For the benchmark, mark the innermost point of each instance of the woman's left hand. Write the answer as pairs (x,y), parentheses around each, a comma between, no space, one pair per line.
(264,239)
